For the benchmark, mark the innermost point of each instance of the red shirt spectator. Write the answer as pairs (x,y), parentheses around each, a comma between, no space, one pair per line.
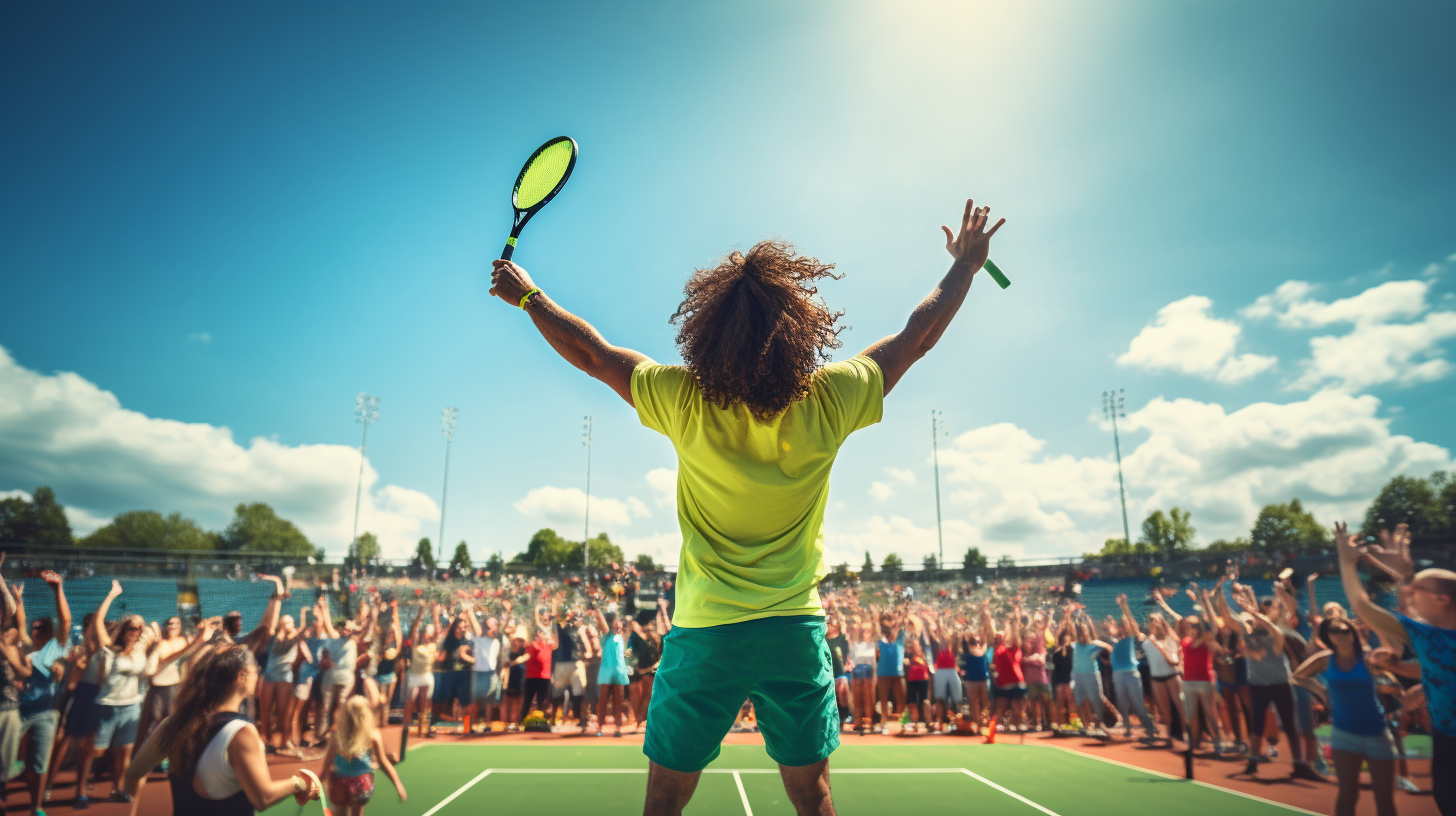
(1007,663)
(1197,662)
(918,668)
(944,659)
(538,663)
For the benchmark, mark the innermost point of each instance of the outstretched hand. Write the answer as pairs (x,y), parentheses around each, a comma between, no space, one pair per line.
(509,282)
(972,245)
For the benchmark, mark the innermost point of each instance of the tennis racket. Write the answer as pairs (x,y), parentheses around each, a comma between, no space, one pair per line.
(543,176)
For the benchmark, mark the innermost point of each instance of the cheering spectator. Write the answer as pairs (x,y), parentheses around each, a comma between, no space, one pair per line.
(216,761)
(1429,629)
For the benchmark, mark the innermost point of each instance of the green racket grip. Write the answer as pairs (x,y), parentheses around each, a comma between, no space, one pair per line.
(996,274)
(509,250)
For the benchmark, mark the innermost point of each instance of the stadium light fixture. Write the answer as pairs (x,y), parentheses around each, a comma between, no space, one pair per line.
(1112,410)
(586,441)
(366,413)
(937,429)
(447,430)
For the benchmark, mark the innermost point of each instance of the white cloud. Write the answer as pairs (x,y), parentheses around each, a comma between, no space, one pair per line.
(1008,495)
(205,338)
(83,523)
(663,547)
(1186,339)
(881,491)
(1331,451)
(566,506)
(1291,306)
(880,536)
(906,476)
(64,431)
(1376,354)
(1376,351)
(663,482)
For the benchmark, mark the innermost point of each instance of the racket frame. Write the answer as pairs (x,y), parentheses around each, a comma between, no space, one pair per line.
(520,217)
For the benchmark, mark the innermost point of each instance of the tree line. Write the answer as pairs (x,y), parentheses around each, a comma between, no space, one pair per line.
(255,528)
(1427,505)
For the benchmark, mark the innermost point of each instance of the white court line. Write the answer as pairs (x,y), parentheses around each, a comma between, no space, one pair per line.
(1013,794)
(733,771)
(463,788)
(742,795)
(1197,782)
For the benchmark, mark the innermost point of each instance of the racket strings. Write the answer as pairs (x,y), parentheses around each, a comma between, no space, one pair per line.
(543,174)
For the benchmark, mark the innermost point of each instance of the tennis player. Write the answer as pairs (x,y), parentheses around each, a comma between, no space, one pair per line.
(757,416)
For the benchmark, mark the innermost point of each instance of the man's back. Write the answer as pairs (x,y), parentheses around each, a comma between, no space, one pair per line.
(751,493)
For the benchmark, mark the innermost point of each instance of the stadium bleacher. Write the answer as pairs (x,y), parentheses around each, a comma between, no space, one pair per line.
(153,598)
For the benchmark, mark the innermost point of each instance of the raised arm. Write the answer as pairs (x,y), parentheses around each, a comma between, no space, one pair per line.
(573,338)
(269,623)
(98,621)
(1129,623)
(325,618)
(970,248)
(1385,624)
(1163,605)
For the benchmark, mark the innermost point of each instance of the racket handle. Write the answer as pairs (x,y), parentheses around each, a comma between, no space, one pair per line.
(996,274)
(509,250)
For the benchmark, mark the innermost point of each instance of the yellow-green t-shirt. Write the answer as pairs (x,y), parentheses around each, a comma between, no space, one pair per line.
(751,494)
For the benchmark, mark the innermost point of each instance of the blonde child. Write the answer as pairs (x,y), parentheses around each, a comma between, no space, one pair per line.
(347,773)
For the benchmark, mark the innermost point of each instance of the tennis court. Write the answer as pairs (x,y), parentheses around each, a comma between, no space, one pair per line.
(456,779)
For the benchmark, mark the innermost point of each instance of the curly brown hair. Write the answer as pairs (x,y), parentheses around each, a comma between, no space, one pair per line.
(752,331)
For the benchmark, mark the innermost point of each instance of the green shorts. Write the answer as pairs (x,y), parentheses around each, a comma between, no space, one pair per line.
(781,664)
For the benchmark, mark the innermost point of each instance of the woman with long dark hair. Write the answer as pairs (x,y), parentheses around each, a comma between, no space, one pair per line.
(216,762)
(1359,734)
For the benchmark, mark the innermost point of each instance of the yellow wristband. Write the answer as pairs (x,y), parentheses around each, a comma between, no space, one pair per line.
(526,297)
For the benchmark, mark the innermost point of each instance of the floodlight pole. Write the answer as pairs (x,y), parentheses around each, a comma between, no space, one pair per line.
(366,411)
(937,424)
(586,440)
(1112,408)
(447,430)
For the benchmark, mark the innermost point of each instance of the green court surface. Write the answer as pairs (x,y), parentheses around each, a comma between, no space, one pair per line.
(609,780)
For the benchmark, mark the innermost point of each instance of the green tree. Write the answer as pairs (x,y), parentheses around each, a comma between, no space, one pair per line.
(1005,562)
(1167,534)
(1287,528)
(495,565)
(1408,500)
(1115,548)
(1442,481)
(931,565)
(892,564)
(547,548)
(255,528)
(974,560)
(41,520)
(460,563)
(148,528)
(363,552)
(424,559)
(644,563)
(1238,545)
(869,565)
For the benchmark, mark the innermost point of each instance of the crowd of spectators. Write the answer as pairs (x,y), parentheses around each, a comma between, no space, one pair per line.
(1243,677)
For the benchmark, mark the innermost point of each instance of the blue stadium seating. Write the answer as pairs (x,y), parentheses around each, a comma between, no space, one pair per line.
(153,598)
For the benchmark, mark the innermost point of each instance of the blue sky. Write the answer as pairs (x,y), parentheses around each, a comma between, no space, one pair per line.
(219,222)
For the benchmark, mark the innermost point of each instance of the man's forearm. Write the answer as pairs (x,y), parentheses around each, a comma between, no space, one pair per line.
(934,314)
(573,338)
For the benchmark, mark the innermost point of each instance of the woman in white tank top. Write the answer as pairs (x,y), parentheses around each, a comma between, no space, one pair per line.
(217,765)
